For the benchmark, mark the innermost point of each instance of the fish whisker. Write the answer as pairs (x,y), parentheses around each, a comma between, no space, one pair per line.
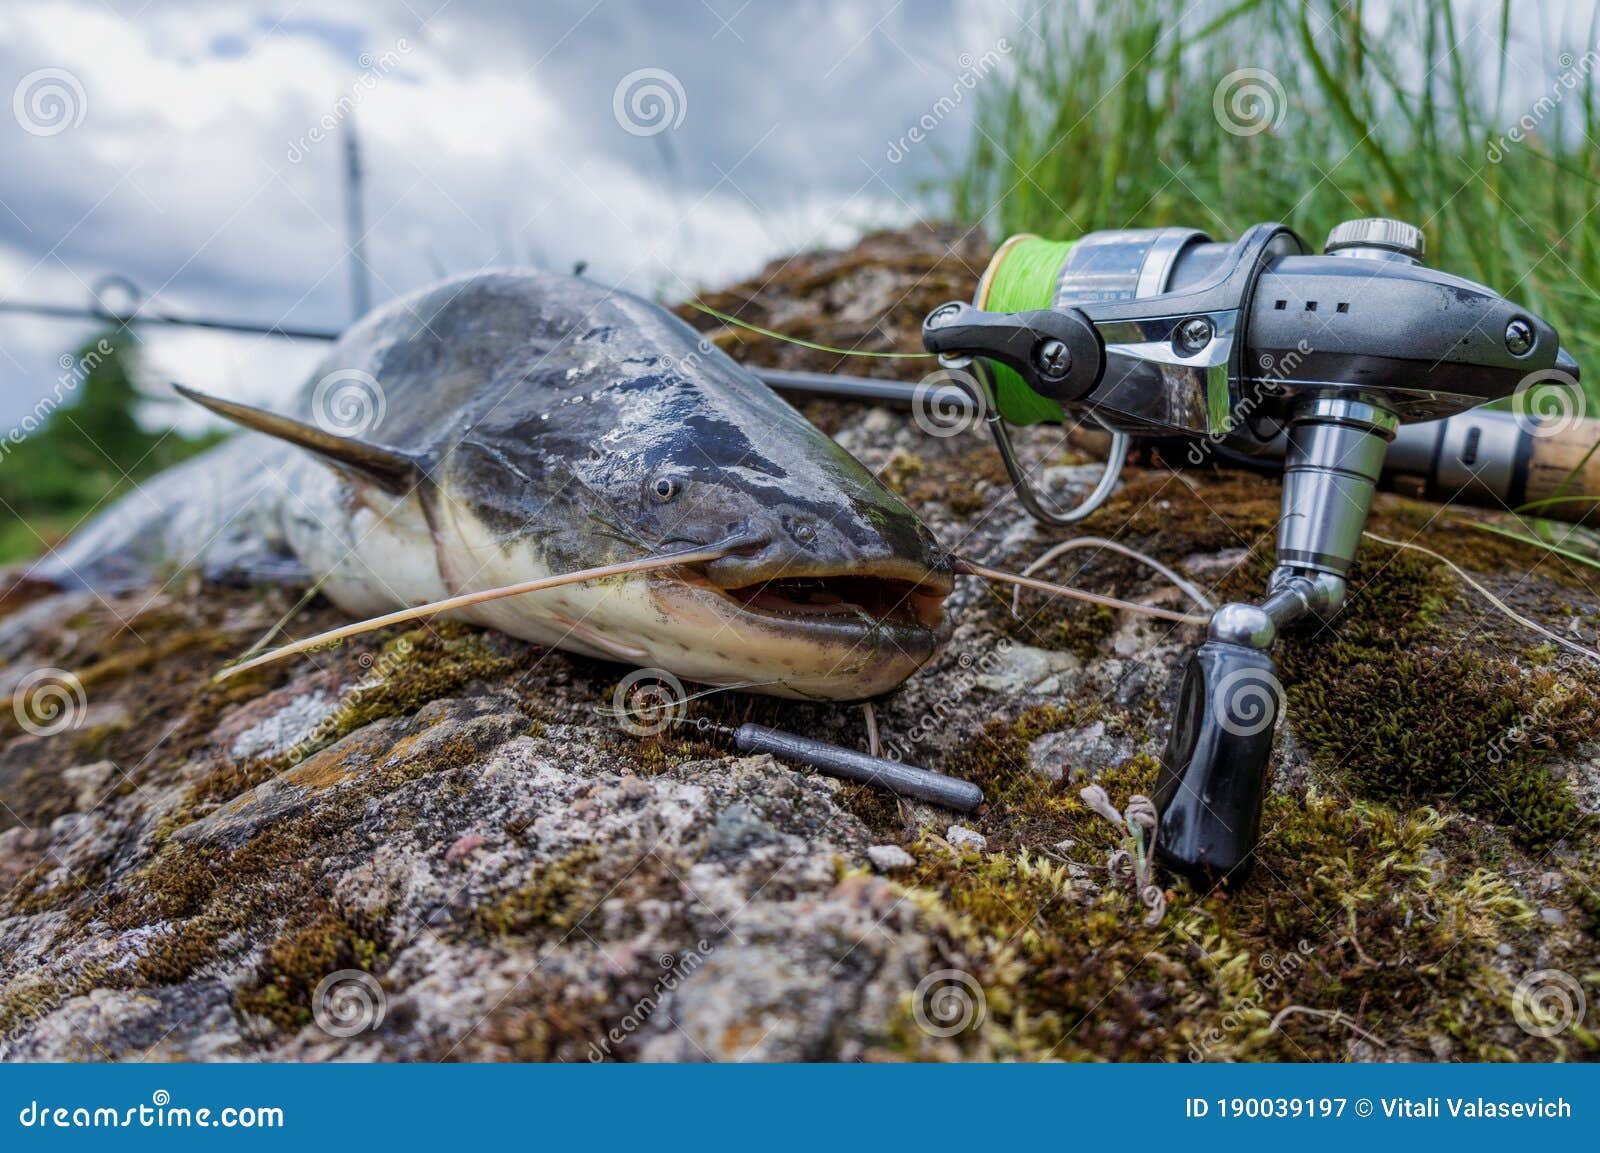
(464,600)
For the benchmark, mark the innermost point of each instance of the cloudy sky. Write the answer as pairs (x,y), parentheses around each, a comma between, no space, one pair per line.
(185,146)
(196,147)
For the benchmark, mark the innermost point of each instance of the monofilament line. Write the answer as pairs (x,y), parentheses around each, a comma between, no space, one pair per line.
(968,568)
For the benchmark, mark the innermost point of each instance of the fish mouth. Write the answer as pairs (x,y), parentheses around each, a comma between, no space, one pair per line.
(890,593)
(850,630)
(847,596)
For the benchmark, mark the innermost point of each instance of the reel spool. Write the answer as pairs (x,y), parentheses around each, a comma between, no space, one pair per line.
(1029,274)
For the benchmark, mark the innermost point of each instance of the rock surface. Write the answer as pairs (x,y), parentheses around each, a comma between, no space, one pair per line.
(437,845)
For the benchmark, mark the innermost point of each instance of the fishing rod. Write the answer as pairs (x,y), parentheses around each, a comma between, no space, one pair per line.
(1483,458)
(128,319)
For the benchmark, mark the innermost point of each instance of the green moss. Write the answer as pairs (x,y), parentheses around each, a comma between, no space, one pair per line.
(879,810)
(203,896)
(545,1020)
(1066,626)
(29,896)
(1408,710)
(955,483)
(414,668)
(559,895)
(325,941)
(1026,809)
(27,1000)
(1355,915)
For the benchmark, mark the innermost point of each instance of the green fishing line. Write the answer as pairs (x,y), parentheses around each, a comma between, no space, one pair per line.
(1021,278)
(737,323)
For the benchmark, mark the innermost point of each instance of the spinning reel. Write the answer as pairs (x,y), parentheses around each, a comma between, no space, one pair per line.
(1260,349)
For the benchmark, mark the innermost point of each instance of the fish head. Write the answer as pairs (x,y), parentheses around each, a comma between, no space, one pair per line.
(830,587)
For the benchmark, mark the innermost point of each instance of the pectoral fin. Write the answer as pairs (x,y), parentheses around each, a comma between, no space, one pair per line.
(391,470)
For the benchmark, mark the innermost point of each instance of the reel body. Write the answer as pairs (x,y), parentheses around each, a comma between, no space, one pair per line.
(1261,349)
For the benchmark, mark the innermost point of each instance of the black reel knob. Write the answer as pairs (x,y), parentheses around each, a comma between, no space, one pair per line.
(1214,771)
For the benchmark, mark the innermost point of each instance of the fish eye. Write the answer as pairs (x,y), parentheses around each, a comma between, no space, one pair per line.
(662,489)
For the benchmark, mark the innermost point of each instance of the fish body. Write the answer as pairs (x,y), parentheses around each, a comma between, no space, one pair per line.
(506,426)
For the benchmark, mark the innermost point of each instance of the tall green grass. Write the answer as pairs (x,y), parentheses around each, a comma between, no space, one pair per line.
(1106,119)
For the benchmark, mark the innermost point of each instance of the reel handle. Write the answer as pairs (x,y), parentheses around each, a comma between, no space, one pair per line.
(1056,351)
(1214,771)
